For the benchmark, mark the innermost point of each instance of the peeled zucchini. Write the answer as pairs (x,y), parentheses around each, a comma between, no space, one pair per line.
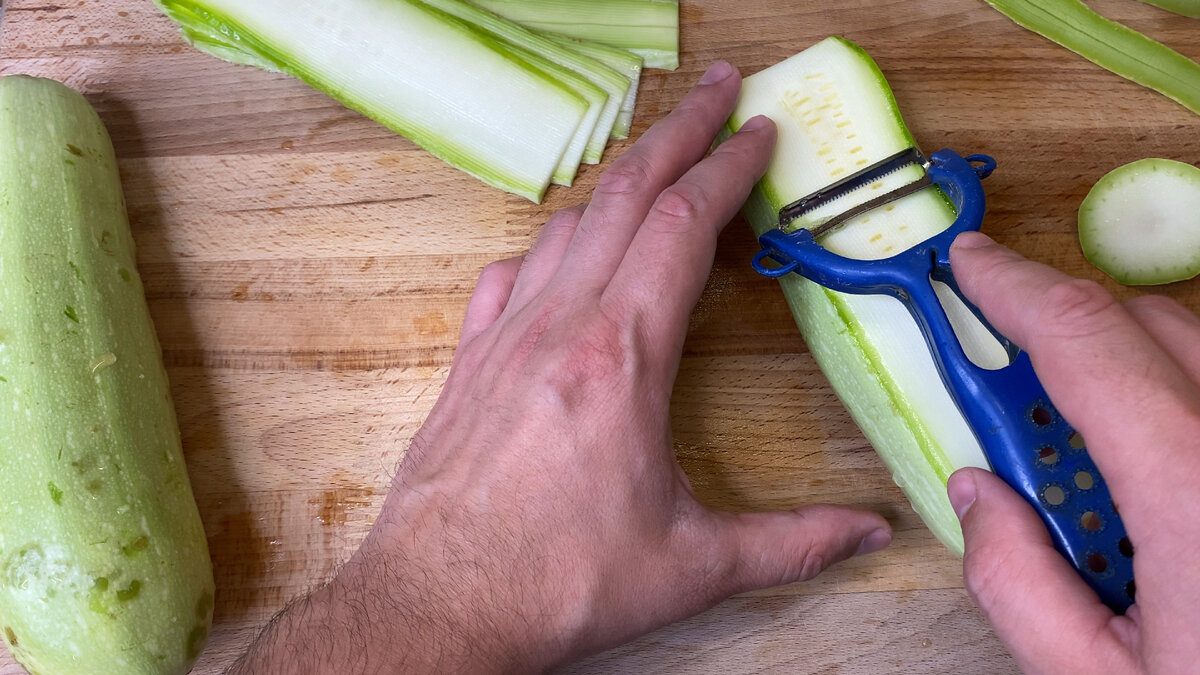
(836,115)
(104,567)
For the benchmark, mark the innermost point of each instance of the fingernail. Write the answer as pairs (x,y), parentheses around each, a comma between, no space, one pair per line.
(717,72)
(757,122)
(961,490)
(876,541)
(973,240)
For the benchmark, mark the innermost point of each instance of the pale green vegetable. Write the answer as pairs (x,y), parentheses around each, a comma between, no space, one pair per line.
(1185,7)
(1139,223)
(479,103)
(836,115)
(611,83)
(649,28)
(104,566)
(625,62)
(1110,45)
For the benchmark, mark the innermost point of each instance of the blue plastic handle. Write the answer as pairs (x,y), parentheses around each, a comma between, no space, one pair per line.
(1025,439)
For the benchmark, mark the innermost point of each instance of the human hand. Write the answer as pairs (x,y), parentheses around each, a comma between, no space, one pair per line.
(540,514)
(1127,377)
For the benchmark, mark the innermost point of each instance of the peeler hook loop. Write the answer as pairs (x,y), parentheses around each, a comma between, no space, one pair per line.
(986,165)
(760,266)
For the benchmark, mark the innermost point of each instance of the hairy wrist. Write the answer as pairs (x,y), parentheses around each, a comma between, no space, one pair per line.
(416,597)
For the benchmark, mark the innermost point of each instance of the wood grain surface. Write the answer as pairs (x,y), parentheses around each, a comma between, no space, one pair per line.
(308,270)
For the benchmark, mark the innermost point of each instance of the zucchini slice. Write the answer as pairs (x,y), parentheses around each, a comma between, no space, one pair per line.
(612,85)
(1138,223)
(649,28)
(625,62)
(836,115)
(481,104)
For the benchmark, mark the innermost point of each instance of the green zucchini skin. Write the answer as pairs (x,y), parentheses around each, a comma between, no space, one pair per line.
(104,566)
(1110,45)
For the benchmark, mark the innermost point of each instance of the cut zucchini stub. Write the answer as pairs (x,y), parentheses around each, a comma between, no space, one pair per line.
(1140,224)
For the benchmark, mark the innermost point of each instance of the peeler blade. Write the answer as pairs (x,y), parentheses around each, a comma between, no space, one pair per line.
(907,157)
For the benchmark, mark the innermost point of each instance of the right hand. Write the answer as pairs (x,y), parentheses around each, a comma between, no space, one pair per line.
(1127,376)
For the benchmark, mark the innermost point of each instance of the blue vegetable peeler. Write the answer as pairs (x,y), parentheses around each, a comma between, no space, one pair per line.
(1025,439)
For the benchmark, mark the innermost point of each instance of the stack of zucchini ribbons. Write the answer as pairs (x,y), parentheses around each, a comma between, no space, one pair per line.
(518,94)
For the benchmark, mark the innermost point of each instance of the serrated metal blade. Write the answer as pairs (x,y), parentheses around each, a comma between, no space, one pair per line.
(870,174)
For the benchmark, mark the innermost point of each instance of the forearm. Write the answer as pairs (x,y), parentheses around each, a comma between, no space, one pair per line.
(382,614)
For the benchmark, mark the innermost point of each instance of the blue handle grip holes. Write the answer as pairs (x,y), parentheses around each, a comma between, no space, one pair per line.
(1097,564)
(1075,440)
(1042,415)
(1126,547)
(1091,521)
(1053,495)
(1048,455)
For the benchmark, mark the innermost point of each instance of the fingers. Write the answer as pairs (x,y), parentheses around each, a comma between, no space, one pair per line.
(788,546)
(545,255)
(1106,375)
(491,295)
(1040,607)
(1174,327)
(668,262)
(627,190)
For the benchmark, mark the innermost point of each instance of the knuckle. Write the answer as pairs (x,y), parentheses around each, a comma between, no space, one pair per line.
(985,569)
(676,209)
(1076,307)
(563,222)
(558,229)
(740,147)
(810,564)
(783,566)
(495,272)
(599,355)
(628,175)
(690,108)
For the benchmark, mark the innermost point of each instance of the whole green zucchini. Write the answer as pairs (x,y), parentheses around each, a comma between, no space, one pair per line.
(104,567)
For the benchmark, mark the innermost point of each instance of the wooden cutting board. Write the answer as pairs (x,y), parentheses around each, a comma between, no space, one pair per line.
(308,270)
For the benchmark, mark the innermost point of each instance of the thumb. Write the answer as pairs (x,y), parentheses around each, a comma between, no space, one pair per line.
(786,546)
(1047,616)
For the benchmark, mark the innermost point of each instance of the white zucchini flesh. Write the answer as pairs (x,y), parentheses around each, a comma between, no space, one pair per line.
(836,115)
(475,102)
(1138,223)
(577,149)
(613,84)
(625,62)
(649,28)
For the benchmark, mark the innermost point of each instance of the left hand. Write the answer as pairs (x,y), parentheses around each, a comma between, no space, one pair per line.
(540,514)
